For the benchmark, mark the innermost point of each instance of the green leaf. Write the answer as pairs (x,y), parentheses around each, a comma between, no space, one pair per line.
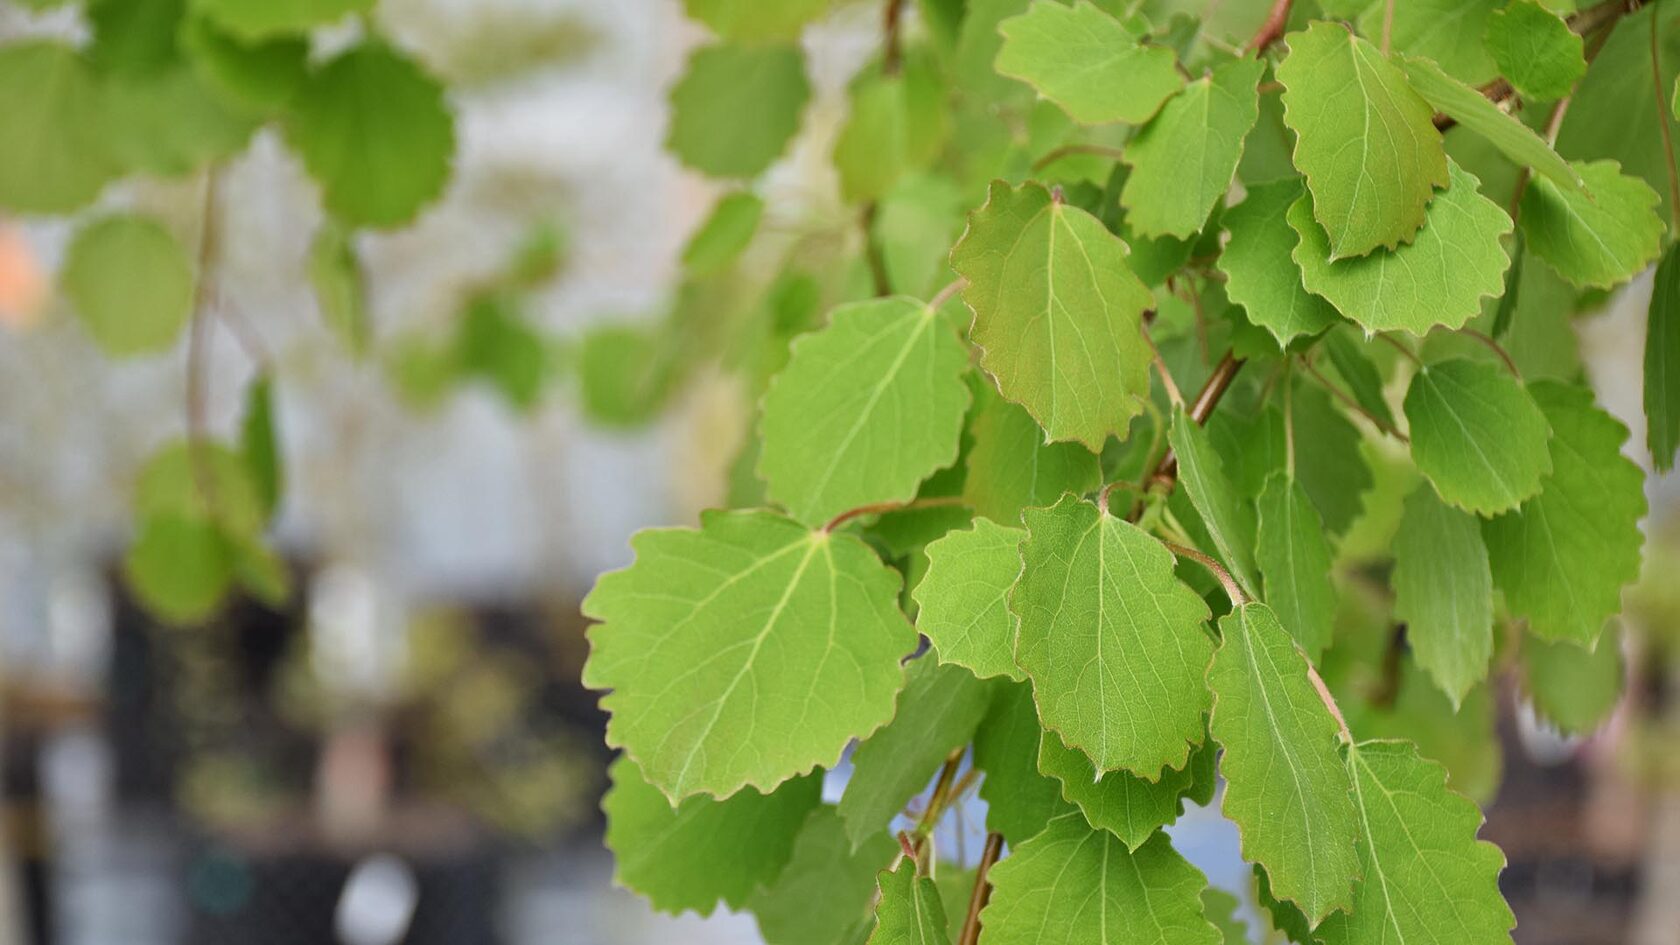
(1229,518)
(172,123)
(1364,383)
(897,123)
(1019,799)
(1285,786)
(1333,471)
(1535,50)
(915,225)
(1080,886)
(55,158)
(1293,553)
(1595,241)
(374,131)
(909,911)
(1477,434)
(1618,111)
(203,481)
(1260,271)
(865,410)
(756,21)
(624,375)
(1438,279)
(1478,113)
(1183,160)
(1465,739)
(1113,642)
(1119,802)
(1662,363)
(1285,916)
(1011,466)
(259,445)
(963,600)
(1563,557)
(721,239)
(937,713)
(179,567)
(130,282)
(1427,877)
(1220,908)
(1443,591)
(1447,31)
(495,344)
(258,19)
(1087,62)
(261,74)
(1057,312)
(737,107)
(823,896)
(668,854)
(744,652)
(133,38)
(1573,688)
(335,272)
(1366,142)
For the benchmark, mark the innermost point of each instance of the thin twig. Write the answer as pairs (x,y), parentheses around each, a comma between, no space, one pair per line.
(1329,701)
(937,800)
(876,508)
(1166,468)
(1234,592)
(1056,154)
(1167,382)
(1347,401)
(1493,346)
(982,889)
(892,44)
(1396,345)
(1667,135)
(198,343)
(1272,28)
(1388,26)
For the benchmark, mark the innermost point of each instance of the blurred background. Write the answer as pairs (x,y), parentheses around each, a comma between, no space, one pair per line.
(401,751)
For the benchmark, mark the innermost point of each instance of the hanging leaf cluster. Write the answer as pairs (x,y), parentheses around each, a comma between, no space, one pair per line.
(1240,435)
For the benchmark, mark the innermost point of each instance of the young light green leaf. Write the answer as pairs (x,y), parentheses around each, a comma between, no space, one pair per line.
(1599,240)
(666,853)
(55,158)
(1443,590)
(335,272)
(1011,467)
(375,132)
(823,896)
(171,123)
(1119,802)
(1183,160)
(720,240)
(1113,642)
(1477,434)
(937,713)
(207,481)
(963,599)
(1260,271)
(1019,799)
(756,21)
(1478,113)
(1535,50)
(1228,516)
(1427,877)
(1572,688)
(1080,886)
(744,652)
(897,123)
(1293,554)
(1563,557)
(865,410)
(262,75)
(909,911)
(1057,312)
(1366,142)
(737,107)
(130,282)
(259,19)
(1440,278)
(259,443)
(1087,62)
(1662,363)
(1447,31)
(1285,786)
(179,567)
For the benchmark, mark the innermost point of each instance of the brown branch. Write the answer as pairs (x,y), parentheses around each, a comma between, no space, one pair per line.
(876,508)
(1272,29)
(938,800)
(892,44)
(982,890)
